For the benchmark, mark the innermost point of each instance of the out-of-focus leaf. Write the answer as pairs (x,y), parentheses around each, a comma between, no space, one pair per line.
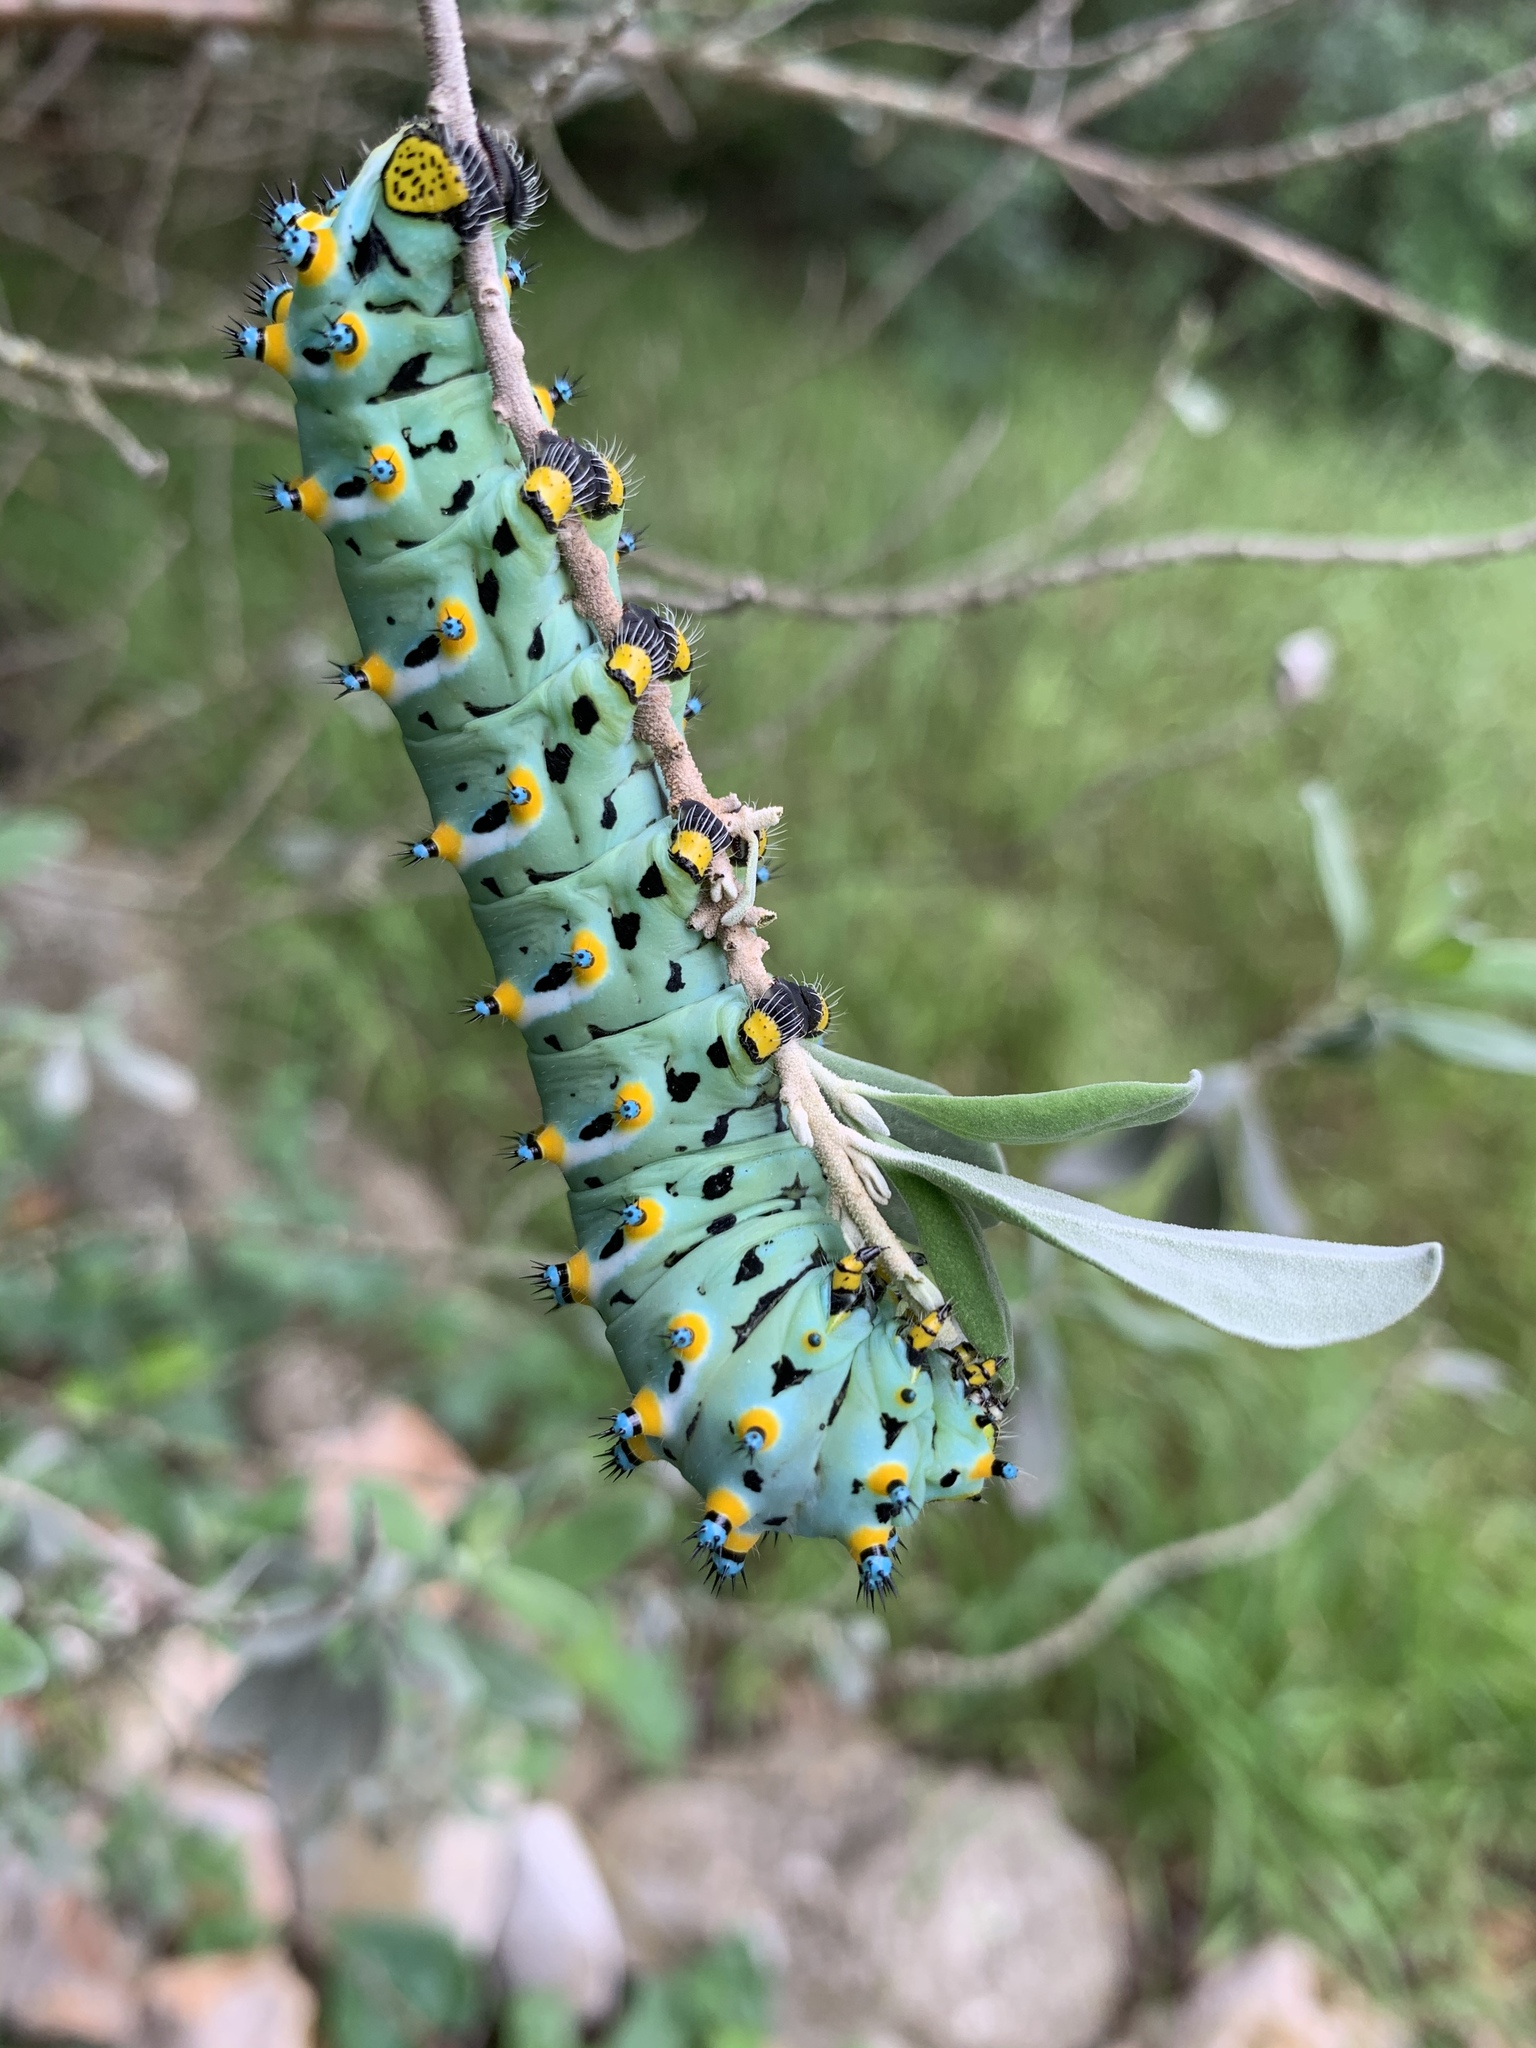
(319,1726)
(61,1080)
(1051,1118)
(1150,1329)
(1500,970)
(588,1547)
(1290,1292)
(401,1523)
(1447,957)
(959,1262)
(1354,1037)
(155,1080)
(1338,872)
(1469,1038)
(398,1984)
(538,2019)
(1472,1374)
(23,1663)
(1259,1165)
(1102,1163)
(28,838)
(1036,1436)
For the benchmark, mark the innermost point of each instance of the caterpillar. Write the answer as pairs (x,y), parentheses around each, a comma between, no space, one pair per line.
(803,1379)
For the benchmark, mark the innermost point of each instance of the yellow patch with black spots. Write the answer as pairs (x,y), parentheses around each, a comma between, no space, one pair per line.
(525,796)
(728,1506)
(631,668)
(548,492)
(688,1338)
(387,487)
(422,178)
(634,1105)
(760,1421)
(652,1216)
(590,958)
(884,1477)
(693,853)
(760,1036)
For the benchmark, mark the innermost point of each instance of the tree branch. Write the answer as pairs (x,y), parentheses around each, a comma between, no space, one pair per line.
(1191,1557)
(143,380)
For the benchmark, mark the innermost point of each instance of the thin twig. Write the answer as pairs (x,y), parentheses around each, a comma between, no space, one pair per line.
(267,774)
(1213,17)
(56,74)
(143,380)
(632,234)
(1190,1557)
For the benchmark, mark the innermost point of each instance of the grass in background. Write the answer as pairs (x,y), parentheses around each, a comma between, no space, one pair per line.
(1340,1740)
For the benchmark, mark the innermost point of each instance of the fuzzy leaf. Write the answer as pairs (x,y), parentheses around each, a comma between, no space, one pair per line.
(1338,872)
(29,838)
(1470,1038)
(906,1127)
(959,1262)
(1289,1292)
(1052,1118)
(1500,971)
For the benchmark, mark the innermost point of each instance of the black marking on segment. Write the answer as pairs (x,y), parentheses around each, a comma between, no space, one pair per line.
(751,1268)
(370,252)
(618,1299)
(676,1376)
(752,1481)
(887,1511)
(786,1375)
(797,1194)
(407,543)
(610,816)
(426,718)
(674,981)
(409,376)
(599,1127)
(626,930)
(601,1031)
(554,1045)
(490,885)
(693,1424)
(651,884)
(350,487)
(842,1395)
(557,977)
(484,710)
(504,540)
(719,1184)
(488,590)
(536,644)
(537,875)
(680,1086)
(720,1225)
(423,652)
(583,715)
(950,1476)
(614,1245)
(893,1425)
(558,761)
(774,1521)
(318,356)
(393,306)
(460,498)
(352,544)
(765,1303)
(494,818)
(442,383)
(717,1055)
(447,443)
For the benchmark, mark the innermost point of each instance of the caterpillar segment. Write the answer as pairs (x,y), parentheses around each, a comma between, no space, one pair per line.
(765,1360)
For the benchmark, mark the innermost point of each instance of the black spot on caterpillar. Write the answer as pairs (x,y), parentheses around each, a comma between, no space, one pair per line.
(681,1086)
(719,1184)
(460,498)
(409,376)
(674,980)
(558,761)
(786,1373)
(609,816)
(716,1054)
(369,252)
(536,644)
(488,590)
(626,930)
(651,883)
(483,710)
(583,715)
(504,540)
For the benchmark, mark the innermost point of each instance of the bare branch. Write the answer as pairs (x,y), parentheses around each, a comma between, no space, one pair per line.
(721,591)
(632,235)
(1191,1557)
(143,380)
(947,39)
(55,75)
(1353,138)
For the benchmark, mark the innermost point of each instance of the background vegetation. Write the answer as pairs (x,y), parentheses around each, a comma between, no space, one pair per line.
(1076,832)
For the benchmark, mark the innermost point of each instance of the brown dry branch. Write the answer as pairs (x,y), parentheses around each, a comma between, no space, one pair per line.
(173,383)
(1137,1581)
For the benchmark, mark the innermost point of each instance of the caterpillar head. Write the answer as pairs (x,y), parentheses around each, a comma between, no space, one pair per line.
(921,1333)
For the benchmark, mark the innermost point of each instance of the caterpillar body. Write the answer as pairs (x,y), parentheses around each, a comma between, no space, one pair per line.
(765,1356)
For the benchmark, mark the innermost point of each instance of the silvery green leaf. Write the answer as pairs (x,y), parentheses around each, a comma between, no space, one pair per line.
(1036,1436)
(959,1262)
(1470,1038)
(1290,1292)
(906,1128)
(1200,408)
(29,838)
(1047,1119)
(1265,1186)
(61,1080)
(23,1664)
(1500,970)
(149,1077)
(1101,1163)
(1338,872)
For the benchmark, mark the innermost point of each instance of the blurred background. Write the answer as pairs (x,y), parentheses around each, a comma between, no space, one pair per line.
(339,1692)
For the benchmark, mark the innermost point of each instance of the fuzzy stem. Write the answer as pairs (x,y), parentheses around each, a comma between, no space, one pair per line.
(451,102)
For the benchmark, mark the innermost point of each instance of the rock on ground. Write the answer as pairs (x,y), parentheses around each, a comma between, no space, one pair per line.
(1278,1995)
(953,1910)
(65,1970)
(252,2000)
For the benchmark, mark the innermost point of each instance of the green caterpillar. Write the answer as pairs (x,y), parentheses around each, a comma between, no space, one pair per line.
(804,1382)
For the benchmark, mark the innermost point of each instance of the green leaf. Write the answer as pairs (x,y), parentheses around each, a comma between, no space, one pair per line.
(1470,1038)
(28,838)
(959,1262)
(1290,1292)
(1338,872)
(23,1664)
(398,1984)
(907,1128)
(1052,1118)
(1500,970)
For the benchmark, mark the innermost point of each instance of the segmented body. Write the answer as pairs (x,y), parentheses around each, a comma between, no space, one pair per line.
(793,1392)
